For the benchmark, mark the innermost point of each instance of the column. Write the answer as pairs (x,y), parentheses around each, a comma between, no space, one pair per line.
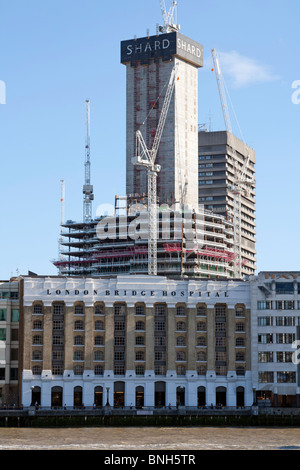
(109,339)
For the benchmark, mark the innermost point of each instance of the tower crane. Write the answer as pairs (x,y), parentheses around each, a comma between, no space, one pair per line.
(87,187)
(241,183)
(146,158)
(168,18)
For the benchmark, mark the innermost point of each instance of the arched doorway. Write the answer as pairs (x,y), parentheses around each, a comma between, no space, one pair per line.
(36,396)
(78,397)
(119,394)
(139,397)
(56,397)
(160,394)
(240,396)
(180,396)
(221,396)
(98,396)
(201,397)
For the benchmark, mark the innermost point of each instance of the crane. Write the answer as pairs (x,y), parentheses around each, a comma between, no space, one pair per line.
(87,187)
(168,18)
(241,183)
(146,158)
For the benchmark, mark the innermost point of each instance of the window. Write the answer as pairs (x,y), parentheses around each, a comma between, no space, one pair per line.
(201,356)
(240,356)
(2,314)
(240,312)
(119,370)
(140,340)
(37,309)
(201,370)
(78,370)
(119,309)
(37,325)
(180,370)
(180,356)
(140,310)
(266,377)
(140,370)
(15,315)
(119,355)
(180,326)
(285,338)
(58,309)
(160,309)
(201,326)
(99,310)
(99,370)
(37,355)
(58,370)
(57,340)
(201,311)
(284,288)
(98,356)
(79,340)
(37,370)
(285,321)
(240,327)
(159,355)
(159,341)
(140,325)
(265,338)
(265,356)
(284,305)
(119,326)
(240,370)
(140,356)
(99,325)
(119,341)
(78,325)
(240,341)
(79,310)
(201,341)
(37,340)
(264,305)
(265,321)
(286,377)
(180,341)
(160,326)
(180,311)
(78,355)
(99,341)
(284,356)
(58,325)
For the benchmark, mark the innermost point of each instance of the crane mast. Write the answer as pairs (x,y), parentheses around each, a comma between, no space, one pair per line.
(146,159)
(241,183)
(87,187)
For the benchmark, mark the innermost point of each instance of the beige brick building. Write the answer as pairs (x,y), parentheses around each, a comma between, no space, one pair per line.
(136,340)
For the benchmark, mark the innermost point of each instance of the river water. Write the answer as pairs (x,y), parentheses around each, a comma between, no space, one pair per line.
(155,439)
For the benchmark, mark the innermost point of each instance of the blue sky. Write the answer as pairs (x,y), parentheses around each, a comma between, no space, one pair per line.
(56,54)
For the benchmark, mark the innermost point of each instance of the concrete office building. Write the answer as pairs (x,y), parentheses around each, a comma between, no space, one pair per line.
(9,342)
(149,62)
(275,322)
(220,153)
(140,340)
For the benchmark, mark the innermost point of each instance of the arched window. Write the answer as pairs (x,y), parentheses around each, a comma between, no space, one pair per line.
(180,310)
(140,310)
(99,309)
(240,356)
(98,356)
(99,325)
(79,340)
(37,355)
(99,341)
(38,309)
(78,370)
(201,341)
(201,356)
(180,356)
(79,310)
(37,370)
(240,341)
(180,341)
(140,325)
(240,311)
(201,310)
(78,325)
(201,326)
(139,356)
(78,355)
(180,326)
(180,370)
(37,325)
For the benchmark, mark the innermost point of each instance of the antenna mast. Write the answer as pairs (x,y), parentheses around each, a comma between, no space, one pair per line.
(87,187)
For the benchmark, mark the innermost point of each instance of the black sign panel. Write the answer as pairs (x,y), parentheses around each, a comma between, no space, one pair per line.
(163,46)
